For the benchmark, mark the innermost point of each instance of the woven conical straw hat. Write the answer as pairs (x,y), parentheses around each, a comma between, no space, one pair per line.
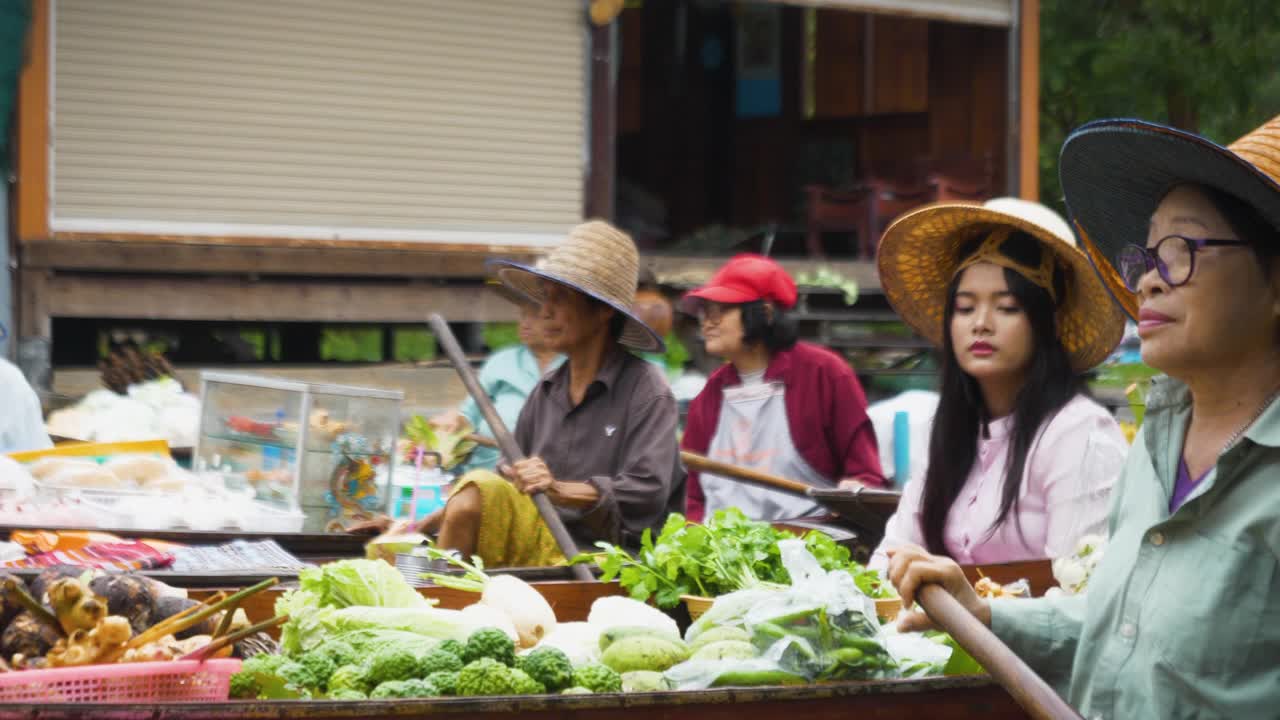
(599,260)
(1115,172)
(920,252)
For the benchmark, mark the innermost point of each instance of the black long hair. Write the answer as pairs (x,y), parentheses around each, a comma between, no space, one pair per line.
(962,415)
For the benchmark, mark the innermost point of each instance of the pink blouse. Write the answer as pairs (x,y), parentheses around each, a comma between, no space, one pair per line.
(1065,492)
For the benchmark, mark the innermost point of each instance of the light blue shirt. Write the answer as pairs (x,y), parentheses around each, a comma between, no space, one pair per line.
(508,376)
(21,422)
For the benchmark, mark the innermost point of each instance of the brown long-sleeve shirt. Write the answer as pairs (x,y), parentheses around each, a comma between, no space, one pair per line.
(621,438)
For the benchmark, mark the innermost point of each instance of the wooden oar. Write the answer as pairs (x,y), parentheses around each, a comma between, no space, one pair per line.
(506,442)
(1028,689)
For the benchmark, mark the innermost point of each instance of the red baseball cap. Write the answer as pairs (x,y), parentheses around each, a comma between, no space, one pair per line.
(746,278)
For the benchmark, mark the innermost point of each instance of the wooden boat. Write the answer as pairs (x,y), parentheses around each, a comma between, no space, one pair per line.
(936,698)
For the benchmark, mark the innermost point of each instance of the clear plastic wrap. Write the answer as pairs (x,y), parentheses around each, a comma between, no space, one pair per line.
(820,628)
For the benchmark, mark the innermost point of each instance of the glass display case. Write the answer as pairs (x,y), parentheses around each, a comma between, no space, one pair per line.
(323,449)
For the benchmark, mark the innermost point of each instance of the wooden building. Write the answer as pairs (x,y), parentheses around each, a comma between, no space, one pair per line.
(312,161)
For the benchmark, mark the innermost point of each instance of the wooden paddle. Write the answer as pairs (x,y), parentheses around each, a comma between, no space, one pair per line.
(1028,689)
(506,442)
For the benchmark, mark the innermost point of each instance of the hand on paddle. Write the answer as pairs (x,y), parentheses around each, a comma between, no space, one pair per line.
(531,475)
(910,567)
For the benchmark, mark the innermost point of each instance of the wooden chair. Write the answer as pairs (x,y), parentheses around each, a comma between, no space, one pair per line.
(964,178)
(837,210)
(889,199)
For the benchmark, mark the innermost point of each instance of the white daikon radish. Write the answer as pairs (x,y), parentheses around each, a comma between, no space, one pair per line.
(529,611)
(480,615)
(516,599)
(578,640)
(616,611)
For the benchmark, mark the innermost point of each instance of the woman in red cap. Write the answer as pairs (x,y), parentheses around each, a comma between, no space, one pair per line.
(770,385)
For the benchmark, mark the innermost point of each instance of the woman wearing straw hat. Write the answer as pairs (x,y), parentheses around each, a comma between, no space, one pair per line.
(778,405)
(1021,461)
(599,432)
(1180,616)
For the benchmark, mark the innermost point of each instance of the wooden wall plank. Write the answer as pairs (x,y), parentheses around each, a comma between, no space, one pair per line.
(142,254)
(154,297)
(1029,97)
(32,131)
(900,64)
(839,77)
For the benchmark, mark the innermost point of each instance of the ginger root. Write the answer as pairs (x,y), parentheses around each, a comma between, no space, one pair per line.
(86,647)
(75,605)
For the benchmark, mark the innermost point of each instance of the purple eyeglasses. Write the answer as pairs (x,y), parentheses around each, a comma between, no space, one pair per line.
(1174,257)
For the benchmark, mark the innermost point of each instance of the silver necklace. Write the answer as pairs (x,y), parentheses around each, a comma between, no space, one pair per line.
(1231,441)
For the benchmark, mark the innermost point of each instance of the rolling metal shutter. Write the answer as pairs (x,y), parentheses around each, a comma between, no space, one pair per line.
(400,120)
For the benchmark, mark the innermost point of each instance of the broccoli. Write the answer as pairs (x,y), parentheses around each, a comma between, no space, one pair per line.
(549,666)
(347,694)
(445,681)
(438,660)
(320,665)
(452,647)
(297,676)
(490,643)
(349,677)
(393,664)
(576,690)
(525,685)
(598,678)
(485,676)
(247,683)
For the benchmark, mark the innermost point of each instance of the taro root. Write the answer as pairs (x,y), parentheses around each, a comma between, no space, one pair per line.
(167,607)
(129,596)
(28,637)
(9,606)
(50,575)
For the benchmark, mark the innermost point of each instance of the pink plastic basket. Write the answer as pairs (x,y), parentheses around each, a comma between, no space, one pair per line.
(174,681)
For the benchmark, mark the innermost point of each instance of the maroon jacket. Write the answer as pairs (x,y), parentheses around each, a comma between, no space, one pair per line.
(823,397)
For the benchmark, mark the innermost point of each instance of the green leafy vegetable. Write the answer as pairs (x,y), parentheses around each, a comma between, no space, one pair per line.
(730,552)
(453,448)
(356,582)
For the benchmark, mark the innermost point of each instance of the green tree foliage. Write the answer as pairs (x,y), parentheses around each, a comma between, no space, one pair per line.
(1208,67)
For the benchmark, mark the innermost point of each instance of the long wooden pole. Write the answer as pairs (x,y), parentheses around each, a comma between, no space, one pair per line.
(715,467)
(506,442)
(1027,689)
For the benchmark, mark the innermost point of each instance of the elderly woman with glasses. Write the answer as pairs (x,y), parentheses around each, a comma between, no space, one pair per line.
(1179,619)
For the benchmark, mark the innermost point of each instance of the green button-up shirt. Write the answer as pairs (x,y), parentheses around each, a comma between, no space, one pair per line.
(1181,618)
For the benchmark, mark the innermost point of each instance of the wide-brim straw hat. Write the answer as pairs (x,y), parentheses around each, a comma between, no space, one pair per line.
(919,254)
(1115,173)
(599,260)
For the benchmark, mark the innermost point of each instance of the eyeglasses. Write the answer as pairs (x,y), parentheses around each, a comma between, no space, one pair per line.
(709,312)
(1174,257)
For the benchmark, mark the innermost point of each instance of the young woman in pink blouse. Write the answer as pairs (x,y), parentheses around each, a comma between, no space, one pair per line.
(1021,461)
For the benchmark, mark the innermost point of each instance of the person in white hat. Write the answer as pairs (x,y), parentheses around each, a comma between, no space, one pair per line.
(599,431)
(1179,615)
(1021,460)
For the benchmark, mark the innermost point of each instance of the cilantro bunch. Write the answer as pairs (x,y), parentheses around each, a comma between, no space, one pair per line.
(729,552)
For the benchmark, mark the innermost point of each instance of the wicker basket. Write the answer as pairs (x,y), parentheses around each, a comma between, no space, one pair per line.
(697,605)
(886,608)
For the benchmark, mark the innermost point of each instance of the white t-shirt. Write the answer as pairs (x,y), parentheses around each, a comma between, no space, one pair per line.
(21,422)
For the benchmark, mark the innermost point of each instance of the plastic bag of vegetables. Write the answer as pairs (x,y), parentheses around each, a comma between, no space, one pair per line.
(821,627)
